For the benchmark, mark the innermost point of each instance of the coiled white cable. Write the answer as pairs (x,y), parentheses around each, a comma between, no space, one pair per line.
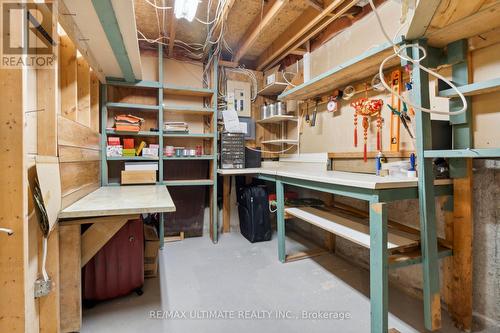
(397,53)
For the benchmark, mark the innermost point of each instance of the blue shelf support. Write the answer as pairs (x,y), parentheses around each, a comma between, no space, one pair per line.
(429,248)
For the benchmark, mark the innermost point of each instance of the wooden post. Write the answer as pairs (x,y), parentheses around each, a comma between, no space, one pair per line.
(70,278)
(226,204)
(379,294)
(12,203)
(280,206)
(430,264)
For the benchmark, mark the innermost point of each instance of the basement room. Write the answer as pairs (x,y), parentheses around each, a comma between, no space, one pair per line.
(250,166)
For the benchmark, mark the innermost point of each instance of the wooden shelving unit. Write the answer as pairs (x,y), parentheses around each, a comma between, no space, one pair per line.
(279,142)
(164,111)
(277,119)
(273,89)
(355,69)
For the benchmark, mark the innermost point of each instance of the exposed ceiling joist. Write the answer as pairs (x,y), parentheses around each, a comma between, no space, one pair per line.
(422,18)
(316,4)
(172,25)
(299,51)
(270,10)
(223,18)
(68,24)
(309,24)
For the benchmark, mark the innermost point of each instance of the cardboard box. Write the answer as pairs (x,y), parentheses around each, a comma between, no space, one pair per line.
(151,247)
(128,143)
(138,177)
(114,151)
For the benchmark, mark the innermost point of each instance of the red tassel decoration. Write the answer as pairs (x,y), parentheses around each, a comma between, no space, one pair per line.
(355,130)
(365,157)
(378,140)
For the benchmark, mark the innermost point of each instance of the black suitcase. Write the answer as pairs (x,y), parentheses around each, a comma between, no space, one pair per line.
(253,210)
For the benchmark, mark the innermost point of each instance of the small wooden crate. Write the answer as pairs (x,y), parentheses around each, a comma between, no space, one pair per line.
(138,177)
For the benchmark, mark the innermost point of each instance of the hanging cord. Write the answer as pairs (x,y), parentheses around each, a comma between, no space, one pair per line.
(416,62)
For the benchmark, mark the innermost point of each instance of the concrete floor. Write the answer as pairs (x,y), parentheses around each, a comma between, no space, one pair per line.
(236,276)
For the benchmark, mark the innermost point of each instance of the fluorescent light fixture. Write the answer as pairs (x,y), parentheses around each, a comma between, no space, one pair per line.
(186,9)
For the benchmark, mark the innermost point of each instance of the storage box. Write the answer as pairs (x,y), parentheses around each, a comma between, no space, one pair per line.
(128,143)
(138,177)
(274,75)
(114,151)
(113,141)
(150,152)
(151,247)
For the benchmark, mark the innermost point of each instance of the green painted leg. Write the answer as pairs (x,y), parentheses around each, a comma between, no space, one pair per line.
(378,268)
(280,203)
(428,236)
(162,230)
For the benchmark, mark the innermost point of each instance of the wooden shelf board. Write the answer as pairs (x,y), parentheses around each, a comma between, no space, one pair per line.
(355,69)
(353,228)
(280,142)
(140,133)
(143,107)
(189,135)
(136,84)
(473,89)
(203,157)
(131,158)
(273,89)
(189,182)
(188,109)
(187,91)
(277,119)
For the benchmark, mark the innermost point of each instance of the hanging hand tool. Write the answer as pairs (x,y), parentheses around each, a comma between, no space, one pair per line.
(313,120)
(396,85)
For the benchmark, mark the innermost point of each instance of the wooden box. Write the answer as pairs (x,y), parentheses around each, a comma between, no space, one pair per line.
(139,177)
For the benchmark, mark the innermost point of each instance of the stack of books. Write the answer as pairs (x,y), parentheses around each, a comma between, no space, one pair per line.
(128,123)
(176,127)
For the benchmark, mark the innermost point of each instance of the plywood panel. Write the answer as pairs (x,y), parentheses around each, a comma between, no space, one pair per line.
(80,193)
(74,134)
(83,92)
(75,154)
(75,175)
(68,78)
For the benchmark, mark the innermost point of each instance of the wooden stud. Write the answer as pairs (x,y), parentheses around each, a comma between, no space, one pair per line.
(83,92)
(306,254)
(70,278)
(68,78)
(47,117)
(94,102)
(171,32)
(12,201)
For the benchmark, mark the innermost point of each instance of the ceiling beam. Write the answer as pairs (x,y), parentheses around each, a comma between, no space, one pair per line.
(65,18)
(424,12)
(172,27)
(299,51)
(270,11)
(309,24)
(316,4)
(106,14)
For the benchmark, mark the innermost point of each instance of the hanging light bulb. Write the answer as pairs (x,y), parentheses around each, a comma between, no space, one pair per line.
(186,9)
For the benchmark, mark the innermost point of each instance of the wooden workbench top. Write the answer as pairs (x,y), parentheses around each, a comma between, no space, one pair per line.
(353,179)
(121,200)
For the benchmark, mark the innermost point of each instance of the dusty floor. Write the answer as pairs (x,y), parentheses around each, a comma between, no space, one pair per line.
(249,288)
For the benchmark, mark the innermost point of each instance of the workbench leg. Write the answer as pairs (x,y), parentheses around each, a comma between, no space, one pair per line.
(161,228)
(226,204)
(427,206)
(378,268)
(280,205)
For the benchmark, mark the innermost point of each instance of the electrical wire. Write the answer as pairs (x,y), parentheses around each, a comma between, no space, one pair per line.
(416,62)
(156,6)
